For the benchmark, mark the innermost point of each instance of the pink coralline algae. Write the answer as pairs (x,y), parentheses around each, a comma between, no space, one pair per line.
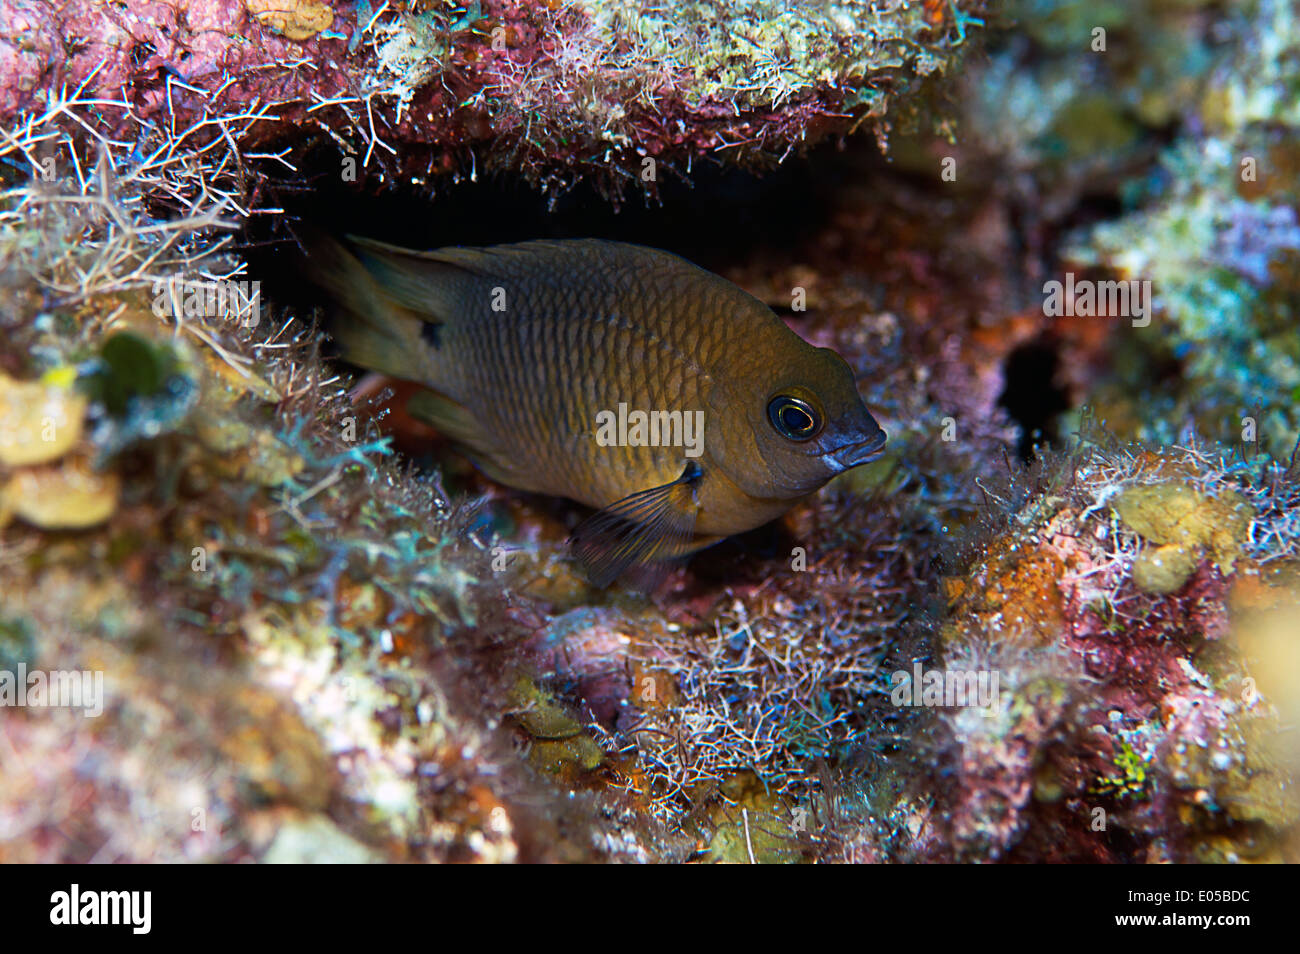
(1126,707)
(554,90)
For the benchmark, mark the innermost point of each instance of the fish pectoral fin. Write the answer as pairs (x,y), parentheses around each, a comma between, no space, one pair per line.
(642,528)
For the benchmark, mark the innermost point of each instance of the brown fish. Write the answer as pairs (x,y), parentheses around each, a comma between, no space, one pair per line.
(622,377)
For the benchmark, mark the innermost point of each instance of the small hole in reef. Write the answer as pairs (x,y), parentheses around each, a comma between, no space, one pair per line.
(1032,394)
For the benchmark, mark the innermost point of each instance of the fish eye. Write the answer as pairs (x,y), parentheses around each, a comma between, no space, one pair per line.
(798,420)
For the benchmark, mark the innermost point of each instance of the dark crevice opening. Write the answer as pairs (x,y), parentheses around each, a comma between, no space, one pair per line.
(716,219)
(1032,394)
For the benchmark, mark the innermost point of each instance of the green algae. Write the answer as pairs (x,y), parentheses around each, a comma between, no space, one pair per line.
(1130,778)
(1181,523)
(17,643)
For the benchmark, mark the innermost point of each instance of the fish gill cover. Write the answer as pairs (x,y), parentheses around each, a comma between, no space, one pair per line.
(1055,622)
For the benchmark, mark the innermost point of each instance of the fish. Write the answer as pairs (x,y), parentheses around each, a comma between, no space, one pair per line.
(677,406)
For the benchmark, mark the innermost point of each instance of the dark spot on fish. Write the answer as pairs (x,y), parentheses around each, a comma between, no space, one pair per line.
(429,331)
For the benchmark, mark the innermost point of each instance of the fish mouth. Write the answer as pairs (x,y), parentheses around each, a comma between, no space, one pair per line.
(863,452)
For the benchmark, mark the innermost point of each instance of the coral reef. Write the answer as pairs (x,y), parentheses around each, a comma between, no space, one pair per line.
(1185,127)
(270,601)
(322,639)
(1118,606)
(553,90)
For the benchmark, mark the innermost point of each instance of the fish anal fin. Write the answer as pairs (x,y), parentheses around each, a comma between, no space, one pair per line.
(457,422)
(450,417)
(638,532)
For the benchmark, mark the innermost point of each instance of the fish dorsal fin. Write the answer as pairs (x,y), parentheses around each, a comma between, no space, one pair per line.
(428,283)
(640,529)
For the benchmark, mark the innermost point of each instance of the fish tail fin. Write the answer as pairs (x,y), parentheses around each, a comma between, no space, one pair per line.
(372,329)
